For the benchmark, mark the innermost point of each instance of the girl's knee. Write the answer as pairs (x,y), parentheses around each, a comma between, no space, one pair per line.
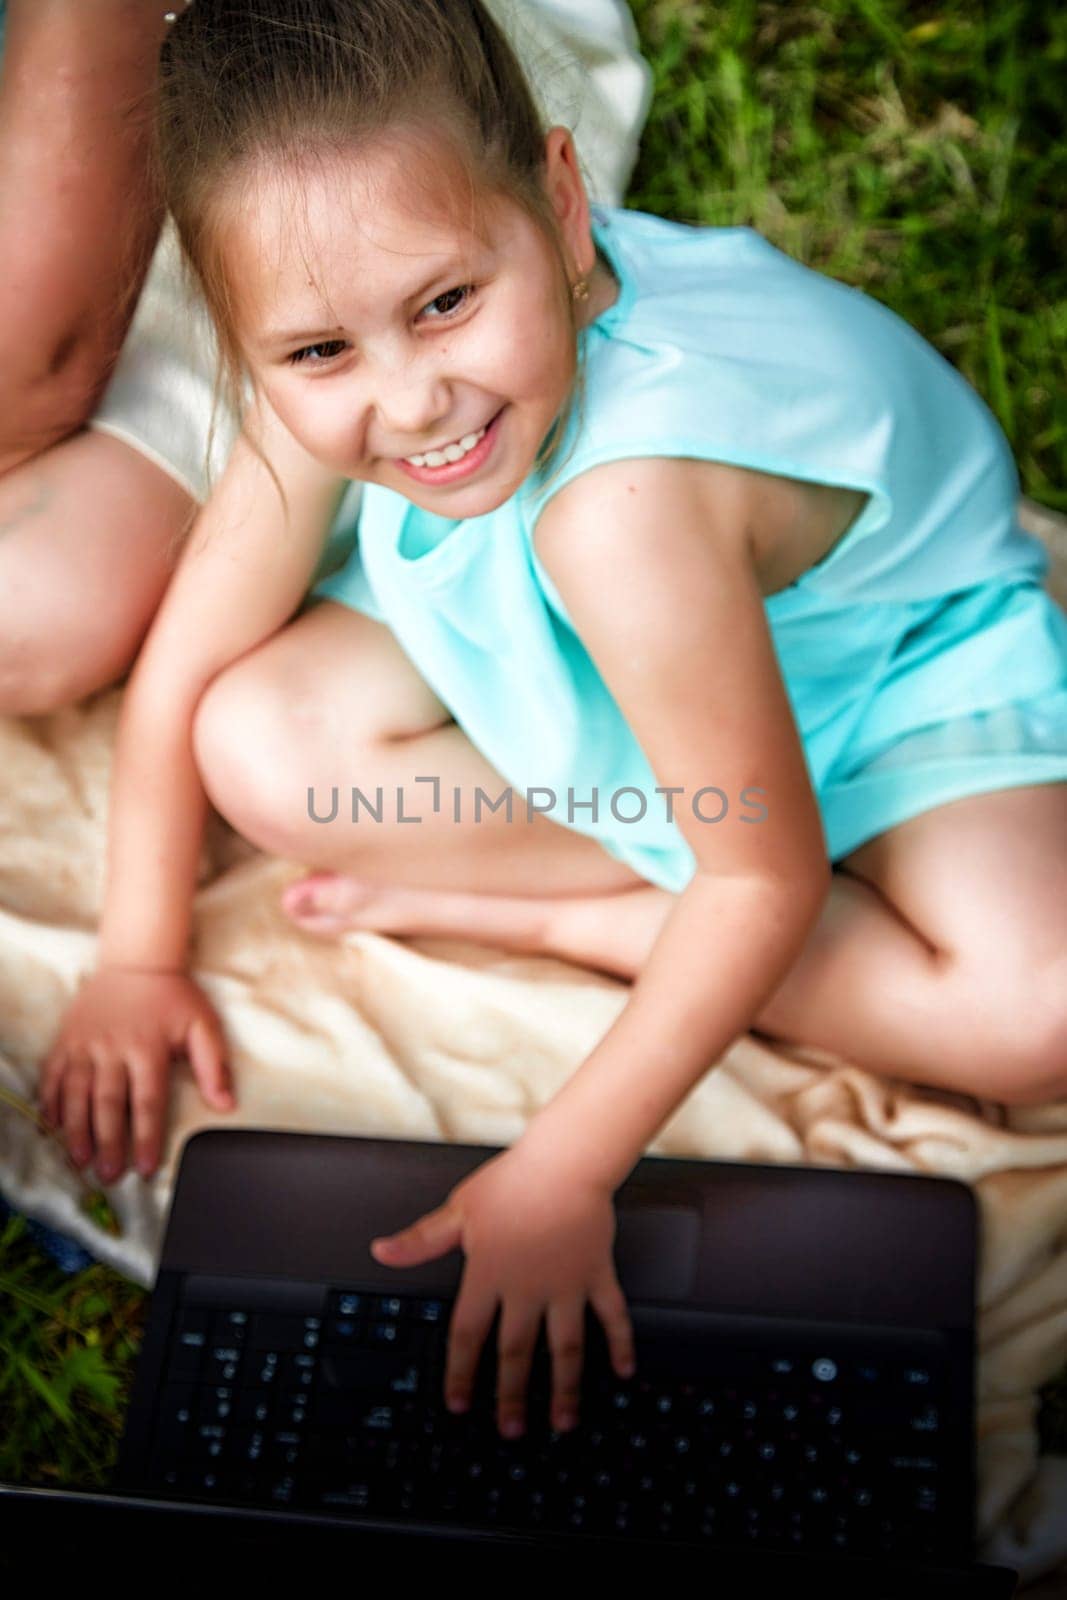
(230,723)
(1042,1072)
(1028,1067)
(247,737)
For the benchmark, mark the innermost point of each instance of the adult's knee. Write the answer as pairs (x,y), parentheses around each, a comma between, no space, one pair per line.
(54,651)
(84,562)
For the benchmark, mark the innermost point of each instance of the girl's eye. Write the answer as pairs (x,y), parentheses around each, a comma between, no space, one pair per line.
(318,352)
(448,303)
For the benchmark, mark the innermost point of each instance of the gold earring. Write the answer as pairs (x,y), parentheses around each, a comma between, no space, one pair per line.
(580,290)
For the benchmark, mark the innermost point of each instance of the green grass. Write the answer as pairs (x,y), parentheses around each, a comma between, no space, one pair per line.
(915,151)
(67,1352)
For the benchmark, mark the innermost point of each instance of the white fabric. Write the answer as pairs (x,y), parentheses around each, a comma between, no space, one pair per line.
(583,62)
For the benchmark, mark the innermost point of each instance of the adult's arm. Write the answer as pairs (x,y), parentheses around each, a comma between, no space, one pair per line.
(79,210)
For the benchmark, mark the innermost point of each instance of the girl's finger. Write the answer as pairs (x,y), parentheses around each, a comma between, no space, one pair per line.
(148,1104)
(566,1343)
(519,1322)
(609,1303)
(108,1112)
(426,1239)
(207,1057)
(472,1316)
(74,1107)
(49,1078)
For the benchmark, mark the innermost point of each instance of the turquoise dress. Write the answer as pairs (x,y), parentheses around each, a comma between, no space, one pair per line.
(922,657)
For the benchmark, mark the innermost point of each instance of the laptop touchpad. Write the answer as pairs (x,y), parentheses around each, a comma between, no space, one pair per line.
(656,1251)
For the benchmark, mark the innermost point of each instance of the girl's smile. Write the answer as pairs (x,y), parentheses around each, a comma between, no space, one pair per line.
(476,449)
(431,344)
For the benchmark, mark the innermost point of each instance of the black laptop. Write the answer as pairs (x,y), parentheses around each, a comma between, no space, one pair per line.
(802,1411)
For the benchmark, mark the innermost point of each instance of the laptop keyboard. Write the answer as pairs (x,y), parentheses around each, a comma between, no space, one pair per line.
(726,1434)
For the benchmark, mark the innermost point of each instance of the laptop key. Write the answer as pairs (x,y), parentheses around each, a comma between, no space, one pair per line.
(186,1357)
(283,1450)
(298,1370)
(206,1482)
(357,1485)
(230,1327)
(262,1371)
(197,1480)
(351,1375)
(207,1441)
(253,1405)
(178,1404)
(387,1336)
(292,1409)
(248,1446)
(222,1362)
(215,1404)
(394,1306)
(430,1312)
(354,1494)
(907,1465)
(924,1421)
(274,1332)
(343,1331)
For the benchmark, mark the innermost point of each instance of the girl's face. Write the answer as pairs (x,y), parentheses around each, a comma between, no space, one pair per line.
(383,327)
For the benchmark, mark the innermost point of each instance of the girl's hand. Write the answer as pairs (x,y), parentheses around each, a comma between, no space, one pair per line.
(537,1239)
(114,1047)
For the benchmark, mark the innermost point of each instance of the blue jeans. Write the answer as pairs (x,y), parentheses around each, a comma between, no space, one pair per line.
(67,1253)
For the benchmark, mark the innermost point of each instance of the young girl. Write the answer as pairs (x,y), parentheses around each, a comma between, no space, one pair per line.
(701,567)
(98,489)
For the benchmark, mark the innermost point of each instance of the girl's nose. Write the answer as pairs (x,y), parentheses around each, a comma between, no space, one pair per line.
(410,409)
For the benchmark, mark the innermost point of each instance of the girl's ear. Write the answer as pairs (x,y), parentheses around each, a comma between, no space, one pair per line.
(566,190)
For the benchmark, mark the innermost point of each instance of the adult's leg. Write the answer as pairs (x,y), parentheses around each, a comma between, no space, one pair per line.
(89,531)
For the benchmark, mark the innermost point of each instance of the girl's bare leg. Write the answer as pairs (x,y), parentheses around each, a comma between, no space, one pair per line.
(938,957)
(88,536)
(867,985)
(332,704)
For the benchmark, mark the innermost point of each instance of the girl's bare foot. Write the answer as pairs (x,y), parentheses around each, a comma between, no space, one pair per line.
(332,903)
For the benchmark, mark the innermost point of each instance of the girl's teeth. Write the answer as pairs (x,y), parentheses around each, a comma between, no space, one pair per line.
(451,452)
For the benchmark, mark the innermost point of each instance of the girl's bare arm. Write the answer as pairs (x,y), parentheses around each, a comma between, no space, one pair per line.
(243,572)
(680,635)
(79,213)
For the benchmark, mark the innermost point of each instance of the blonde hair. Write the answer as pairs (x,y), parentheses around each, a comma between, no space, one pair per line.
(243,88)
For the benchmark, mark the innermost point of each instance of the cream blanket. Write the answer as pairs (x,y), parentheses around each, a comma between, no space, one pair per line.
(429,1039)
